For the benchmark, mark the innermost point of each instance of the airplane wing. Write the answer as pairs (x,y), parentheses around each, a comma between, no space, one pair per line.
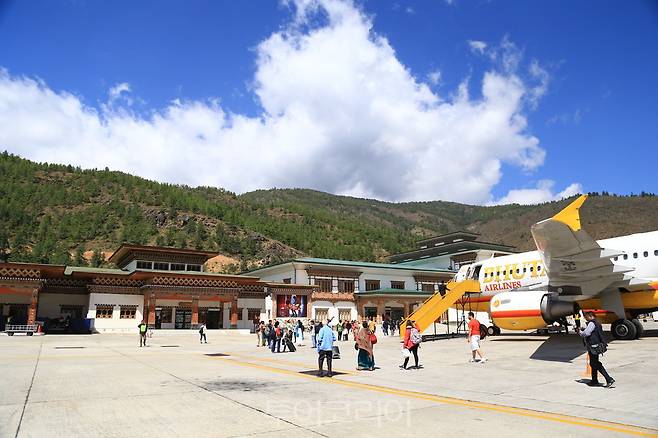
(576,264)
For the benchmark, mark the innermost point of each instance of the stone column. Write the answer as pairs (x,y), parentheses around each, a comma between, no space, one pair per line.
(234,312)
(151,316)
(380,310)
(145,309)
(195,311)
(32,311)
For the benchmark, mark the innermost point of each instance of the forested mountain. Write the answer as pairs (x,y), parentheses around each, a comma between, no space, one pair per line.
(62,214)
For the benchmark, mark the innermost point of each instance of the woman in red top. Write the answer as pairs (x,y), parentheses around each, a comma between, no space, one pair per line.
(410,346)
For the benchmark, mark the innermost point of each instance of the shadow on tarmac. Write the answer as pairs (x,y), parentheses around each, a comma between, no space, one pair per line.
(237,385)
(559,348)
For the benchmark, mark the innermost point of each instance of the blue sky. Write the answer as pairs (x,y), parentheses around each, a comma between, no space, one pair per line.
(595,119)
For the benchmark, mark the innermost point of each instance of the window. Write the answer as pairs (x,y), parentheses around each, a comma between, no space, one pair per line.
(104,311)
(165,315)
(128,312)
(240,313)
(345,285)
(646,253)
(161,266)
(532,268)
(625,256)
(397,284)
(253,314)
(539,268)
(634,255)
(177,267)
(616,258)
(287,280)
(196,268)
(144,265)
(372,285)
(324,284)
(427,287)
(655,252)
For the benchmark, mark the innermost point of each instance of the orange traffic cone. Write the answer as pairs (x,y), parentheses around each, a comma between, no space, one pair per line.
(588,369)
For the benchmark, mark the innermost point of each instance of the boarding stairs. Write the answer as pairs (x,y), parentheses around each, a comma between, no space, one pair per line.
(436,305)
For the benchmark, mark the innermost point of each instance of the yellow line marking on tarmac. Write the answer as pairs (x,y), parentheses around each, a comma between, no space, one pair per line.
(558,418)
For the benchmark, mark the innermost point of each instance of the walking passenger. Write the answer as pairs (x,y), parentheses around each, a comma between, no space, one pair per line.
(202,334)
(259,334)
(300,329)
(596,345)
(269,329)
(313,332)
(412,339)
(276,338)
(142,333)
(316,331)
(576,321)
(385,327)
(474,338)
(363,342)
(347,330)
(339,329)
(443,288)
(325,342)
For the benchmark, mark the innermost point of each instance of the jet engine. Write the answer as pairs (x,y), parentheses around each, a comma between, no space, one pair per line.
(525,310)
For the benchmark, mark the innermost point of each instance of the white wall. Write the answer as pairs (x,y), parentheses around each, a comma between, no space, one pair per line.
(49,304)
(115,324)
(245,304)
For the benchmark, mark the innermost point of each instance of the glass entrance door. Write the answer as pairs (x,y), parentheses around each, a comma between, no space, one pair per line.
(183,318)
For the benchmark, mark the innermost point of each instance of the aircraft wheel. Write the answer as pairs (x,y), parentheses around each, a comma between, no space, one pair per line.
(623,329)
(640,328)
(491,330)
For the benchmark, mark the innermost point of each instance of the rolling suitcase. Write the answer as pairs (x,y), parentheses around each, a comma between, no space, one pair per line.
(290,345)
(336,352)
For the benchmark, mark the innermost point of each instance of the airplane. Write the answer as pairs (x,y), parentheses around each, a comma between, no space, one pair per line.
(615,278)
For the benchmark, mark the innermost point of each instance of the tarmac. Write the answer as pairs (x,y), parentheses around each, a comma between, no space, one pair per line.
(107,386)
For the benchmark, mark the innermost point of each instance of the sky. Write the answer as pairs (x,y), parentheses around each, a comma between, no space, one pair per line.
(482,102)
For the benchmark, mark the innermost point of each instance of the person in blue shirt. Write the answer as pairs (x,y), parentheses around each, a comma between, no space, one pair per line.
(325,345)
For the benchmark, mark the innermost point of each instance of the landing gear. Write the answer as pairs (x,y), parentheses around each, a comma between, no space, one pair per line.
(624,329)
(639,327)
(492,330)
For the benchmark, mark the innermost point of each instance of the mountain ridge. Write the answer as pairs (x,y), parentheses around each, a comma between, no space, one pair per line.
(53,213)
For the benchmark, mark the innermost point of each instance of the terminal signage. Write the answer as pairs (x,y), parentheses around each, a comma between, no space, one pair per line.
(291,306)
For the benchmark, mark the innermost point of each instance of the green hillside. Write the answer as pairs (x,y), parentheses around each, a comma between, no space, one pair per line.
(62,214)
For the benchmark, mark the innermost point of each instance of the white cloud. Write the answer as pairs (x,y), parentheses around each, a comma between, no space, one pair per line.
(477,46)
(434,77)
(115,92)
(543,78)
(542,193)
(566,118)
(339,113)
(409,10)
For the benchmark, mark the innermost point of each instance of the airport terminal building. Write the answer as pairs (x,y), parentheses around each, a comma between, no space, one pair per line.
(353,289)
(171,289)
(166,287)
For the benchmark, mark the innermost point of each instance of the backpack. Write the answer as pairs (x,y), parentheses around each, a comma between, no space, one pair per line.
(415,336)
(201,331)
